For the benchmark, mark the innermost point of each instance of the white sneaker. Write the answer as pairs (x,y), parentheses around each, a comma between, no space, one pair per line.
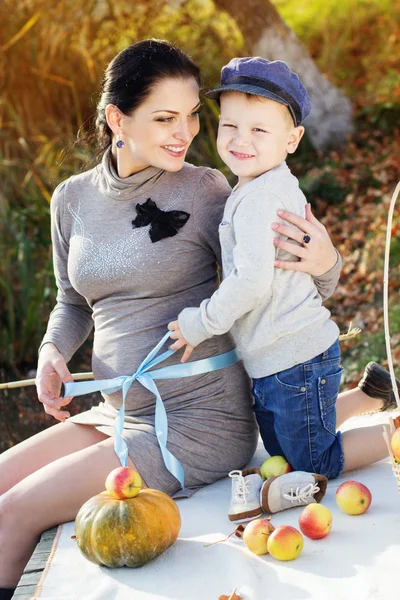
(297,488)
(245,501)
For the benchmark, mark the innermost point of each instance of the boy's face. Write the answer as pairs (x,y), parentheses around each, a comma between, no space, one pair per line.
(254,134)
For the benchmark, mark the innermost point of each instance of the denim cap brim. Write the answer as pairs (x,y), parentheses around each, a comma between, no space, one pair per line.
(250,89)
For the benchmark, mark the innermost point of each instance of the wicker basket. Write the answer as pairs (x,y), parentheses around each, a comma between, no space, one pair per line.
(388,431)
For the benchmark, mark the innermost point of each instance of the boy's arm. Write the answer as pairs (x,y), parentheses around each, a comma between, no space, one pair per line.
(250,278)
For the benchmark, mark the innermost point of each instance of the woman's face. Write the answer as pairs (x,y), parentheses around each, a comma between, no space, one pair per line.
(160,131)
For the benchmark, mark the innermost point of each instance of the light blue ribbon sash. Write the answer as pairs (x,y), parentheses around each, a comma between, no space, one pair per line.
(146,378)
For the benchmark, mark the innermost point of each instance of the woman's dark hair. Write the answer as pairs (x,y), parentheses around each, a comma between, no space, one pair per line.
(130,76)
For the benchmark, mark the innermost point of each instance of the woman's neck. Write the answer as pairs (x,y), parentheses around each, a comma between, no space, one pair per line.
(123,163)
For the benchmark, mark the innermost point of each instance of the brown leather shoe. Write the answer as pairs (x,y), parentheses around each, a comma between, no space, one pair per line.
(377,383)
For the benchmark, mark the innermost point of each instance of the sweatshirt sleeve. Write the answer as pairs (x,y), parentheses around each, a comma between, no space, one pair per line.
(250,278)
(326,283)
(71,320)
(209,203)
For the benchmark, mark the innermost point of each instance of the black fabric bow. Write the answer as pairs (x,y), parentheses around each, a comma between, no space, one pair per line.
(164,223)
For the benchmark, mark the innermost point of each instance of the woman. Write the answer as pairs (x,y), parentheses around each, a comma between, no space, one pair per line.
(131,281)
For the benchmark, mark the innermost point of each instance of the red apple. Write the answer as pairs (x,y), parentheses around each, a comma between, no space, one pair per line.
(395,445)
(256,535)
(285,543)
(123,482)
(275,466)
(315,521)
(353,497)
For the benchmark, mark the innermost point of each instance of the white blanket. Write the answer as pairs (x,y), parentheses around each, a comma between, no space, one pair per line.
(357,561)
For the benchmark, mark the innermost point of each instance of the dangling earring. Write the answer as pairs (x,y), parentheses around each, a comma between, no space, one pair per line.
(120,144)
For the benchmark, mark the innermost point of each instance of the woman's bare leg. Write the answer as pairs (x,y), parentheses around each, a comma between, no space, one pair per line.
(353,403)
(49,496)
(39,450)
(363,446)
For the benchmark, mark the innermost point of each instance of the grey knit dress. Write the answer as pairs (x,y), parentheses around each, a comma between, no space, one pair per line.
(113,276)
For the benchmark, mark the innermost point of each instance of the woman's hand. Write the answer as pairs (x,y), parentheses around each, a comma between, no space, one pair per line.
(181,342)
(52,371)
(317,256)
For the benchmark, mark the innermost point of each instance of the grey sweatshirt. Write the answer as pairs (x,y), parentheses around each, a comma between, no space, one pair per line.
(276,316)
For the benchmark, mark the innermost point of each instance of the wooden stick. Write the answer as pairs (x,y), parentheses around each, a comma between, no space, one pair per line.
(27,382)
(386,293)
(351,332)
(388,430)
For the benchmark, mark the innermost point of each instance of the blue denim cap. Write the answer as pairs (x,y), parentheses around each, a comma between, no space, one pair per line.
(271,79)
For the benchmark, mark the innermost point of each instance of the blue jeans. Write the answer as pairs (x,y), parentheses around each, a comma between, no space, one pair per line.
(296,413)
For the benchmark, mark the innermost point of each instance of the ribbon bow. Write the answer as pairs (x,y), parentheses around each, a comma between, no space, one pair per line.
(146,378)
(164,223)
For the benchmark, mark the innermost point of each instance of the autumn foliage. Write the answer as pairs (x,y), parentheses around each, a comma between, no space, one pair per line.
(359,183)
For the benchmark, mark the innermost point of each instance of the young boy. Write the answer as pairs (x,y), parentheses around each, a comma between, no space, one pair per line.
(288,343)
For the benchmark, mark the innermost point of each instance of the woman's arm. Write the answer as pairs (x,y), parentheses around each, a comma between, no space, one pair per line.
(52,371)
(318,257)
(70,321)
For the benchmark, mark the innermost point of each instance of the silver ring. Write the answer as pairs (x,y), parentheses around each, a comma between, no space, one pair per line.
(306,239)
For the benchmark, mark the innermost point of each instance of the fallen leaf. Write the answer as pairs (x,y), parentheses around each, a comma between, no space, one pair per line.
(238,532)
(233,596)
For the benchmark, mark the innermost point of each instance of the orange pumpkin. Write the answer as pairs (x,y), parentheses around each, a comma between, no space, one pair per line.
(130,532)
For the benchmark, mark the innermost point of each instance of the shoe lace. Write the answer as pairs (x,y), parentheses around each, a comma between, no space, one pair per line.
(241,486)
(301,495)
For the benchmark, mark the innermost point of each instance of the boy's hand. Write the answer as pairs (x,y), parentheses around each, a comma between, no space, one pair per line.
(181,342)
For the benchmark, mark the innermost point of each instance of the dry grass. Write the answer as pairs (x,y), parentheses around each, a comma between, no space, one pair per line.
(52,56)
